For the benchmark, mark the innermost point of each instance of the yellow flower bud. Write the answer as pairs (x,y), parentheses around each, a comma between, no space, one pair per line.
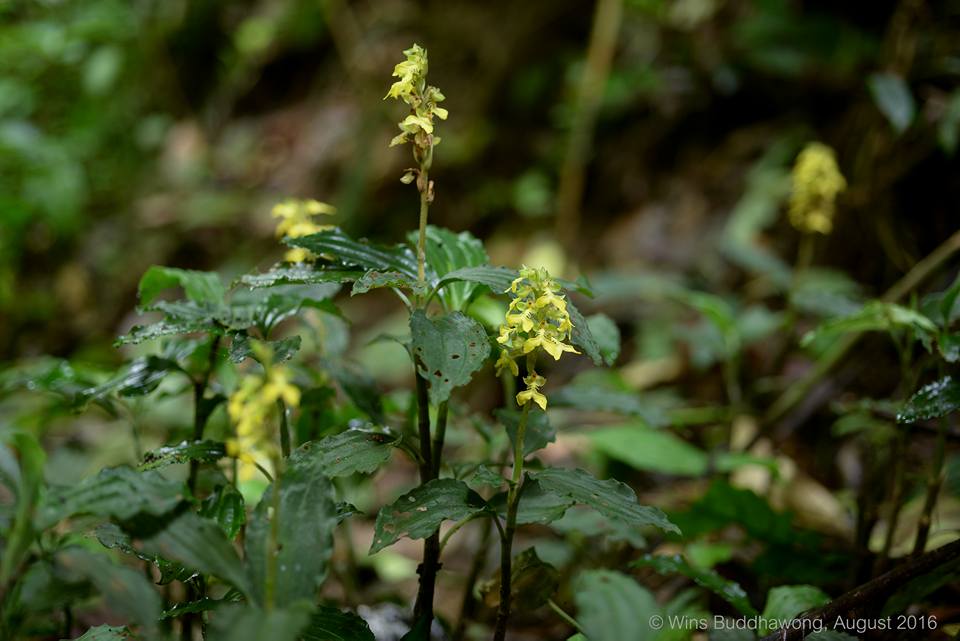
(296,222)
(816,183)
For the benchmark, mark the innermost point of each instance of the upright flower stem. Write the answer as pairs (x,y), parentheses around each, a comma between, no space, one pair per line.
(284,429)
(423,182)
(506,541)
(200,412)
(270,583)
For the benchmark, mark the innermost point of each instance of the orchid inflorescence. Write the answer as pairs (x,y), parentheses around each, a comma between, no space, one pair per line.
(817,182)
(536,319)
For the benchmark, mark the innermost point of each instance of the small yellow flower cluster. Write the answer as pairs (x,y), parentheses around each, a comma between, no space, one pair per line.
(537,318)
(251,408)
(816,183)
(296,222)
(412,88)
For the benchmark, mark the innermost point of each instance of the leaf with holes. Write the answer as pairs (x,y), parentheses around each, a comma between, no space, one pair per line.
(418,514)
(349,452)
(448,350)
(611,498)
(931,401)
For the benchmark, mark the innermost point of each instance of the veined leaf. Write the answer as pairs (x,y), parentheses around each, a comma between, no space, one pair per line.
(611,498)
(532,582)
(350,452)
(203,451)
(111,536)
(140,333)
(536,504)
(582,337)
(729,591)
(333,624)
(350,252)
(140,377)
(613,607)
(200,287)
(374,279)
(300,274)
(125,591)
(448,350)
(447,252)
(283,349)
(418,514)
(200,543)
(307,518)
(242,622)
(875,316)
(498,279)
(931,401)
(117,492)
(607,335)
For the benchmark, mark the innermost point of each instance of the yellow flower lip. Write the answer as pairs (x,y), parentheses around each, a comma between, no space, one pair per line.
(296,222)
(412,88)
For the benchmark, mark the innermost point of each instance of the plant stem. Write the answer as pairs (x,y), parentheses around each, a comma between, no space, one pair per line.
(424,184)
(469,603)
(284,430)
(439,434)
(933,490)
(272,550)
(423,607)
(563,615)
(506,542)
(200,413)
(896,499)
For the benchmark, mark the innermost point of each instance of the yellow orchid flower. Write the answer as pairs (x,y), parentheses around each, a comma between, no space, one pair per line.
(296,222)
(817,182)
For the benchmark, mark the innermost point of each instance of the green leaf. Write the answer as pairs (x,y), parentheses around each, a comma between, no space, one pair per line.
(117,492)
(374,279)
(607,335)
(201,544)
(448,350)
(200,287)
(25,478)
(242,622)
(611,498)
(582,337)
(307,518)
(498,279)
(539,432)
(729,591)
(893,98)
(651,450)
(536,505)
(141,333)
(582,522)
(349,252)
(203,451)
(875,316)
(333,624)
(139,378)
(225,506)
(597,398)
(300,274)
(613,607)
(106,633)
(124,590)
(192,607)
(931,401)
(350,452)
(532,582)
(265,309)
(788,601)
(111,536)
(448,252)
(918,588)
(418,514)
